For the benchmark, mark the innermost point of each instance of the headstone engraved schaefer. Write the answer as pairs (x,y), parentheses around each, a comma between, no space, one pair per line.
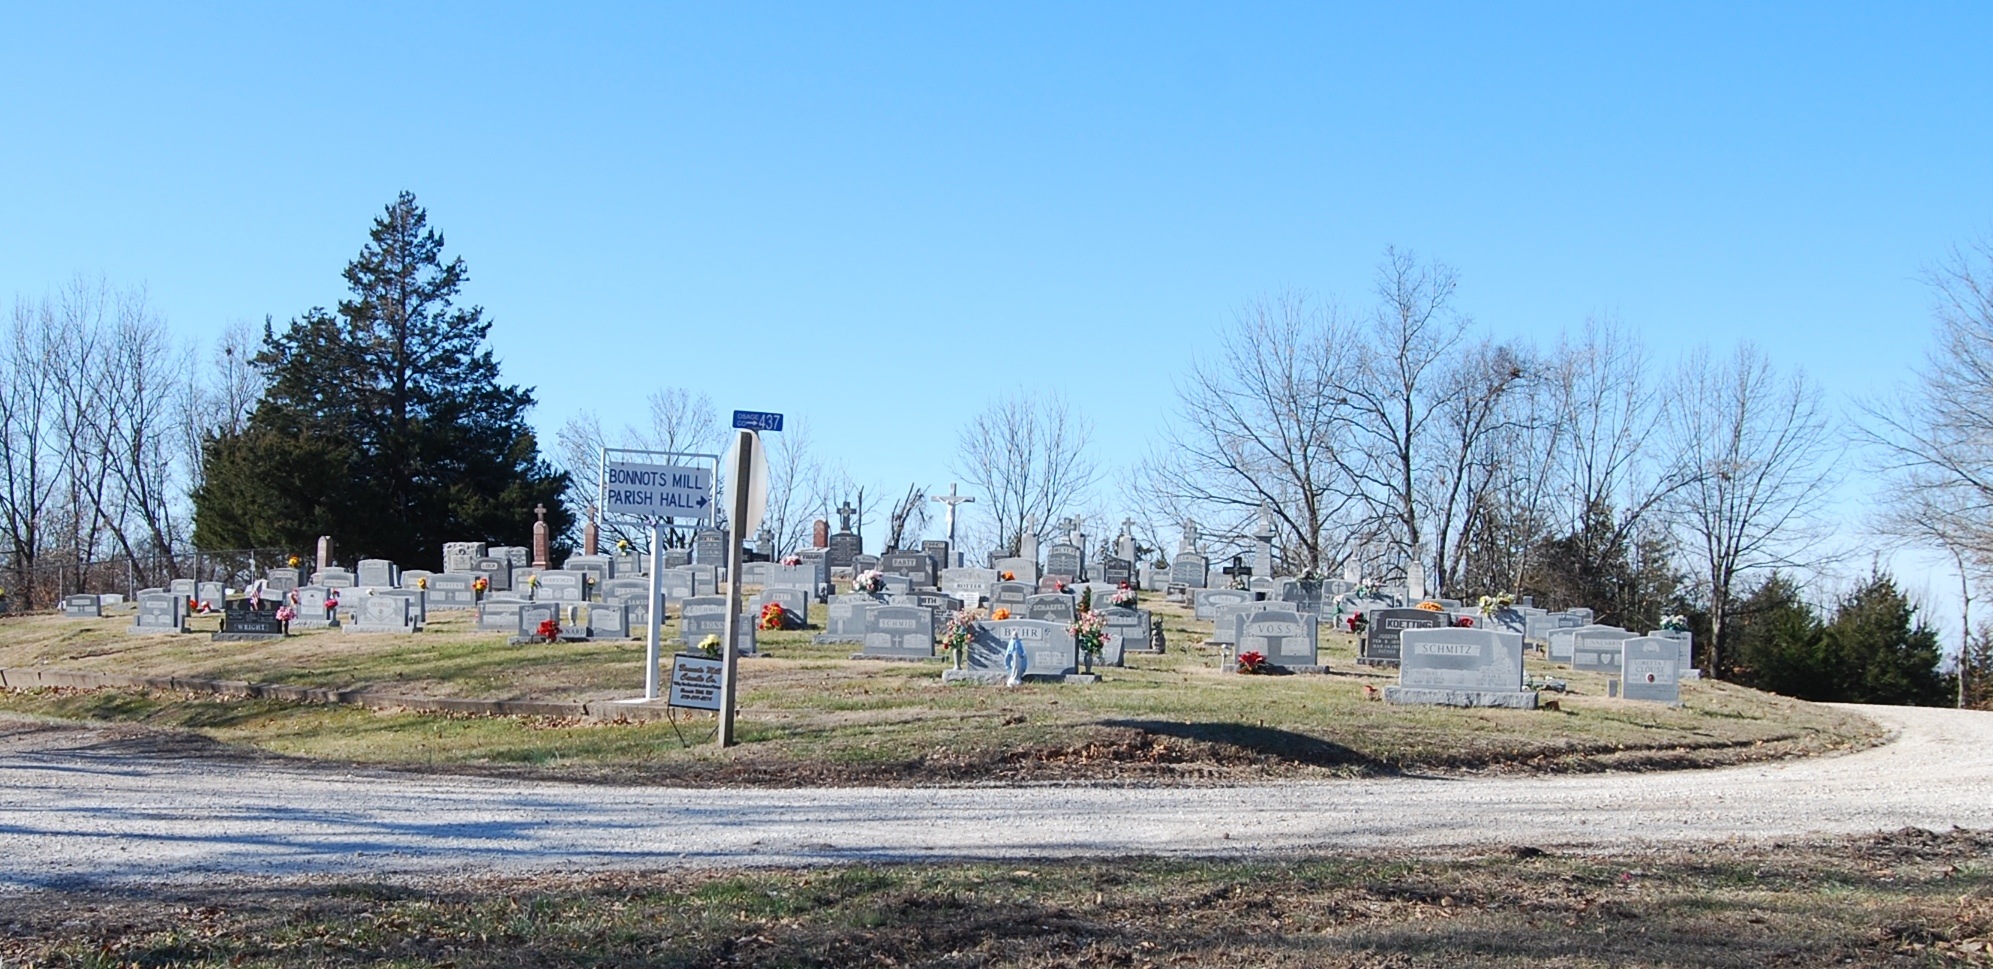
(382,614)
(1461,668)
(1380,643)
(1048,647)
(1651,670)
(702,616)
(845,618)
(1191,570)
(1207,601)
(898,632)
(1596,648)
(1051,607)
(1285,637)
(159,613)
(82,607)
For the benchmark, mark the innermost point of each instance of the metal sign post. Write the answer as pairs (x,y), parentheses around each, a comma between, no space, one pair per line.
(747,501)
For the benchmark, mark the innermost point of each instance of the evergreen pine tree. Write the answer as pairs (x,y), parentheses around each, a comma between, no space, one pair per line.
(384,424)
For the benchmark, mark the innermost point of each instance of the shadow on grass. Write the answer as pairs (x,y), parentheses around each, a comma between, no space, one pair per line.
(1283,746)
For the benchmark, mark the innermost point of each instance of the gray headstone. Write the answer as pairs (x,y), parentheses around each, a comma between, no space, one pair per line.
(1048,646)
(754,573)
(899,631)
(1064,559)
(1304,595)
(1129,626)
(1596,648)
(943,556)
(160,613)
(1651,670)
(82,607)
(462,556)
(376,574)
(1051,607)
(970,585)
(333,579)
(846,614)
(702,616)
(499,614)
(418,603)
(917,567)
(677,558)
(532,614)
(795,603)
(607,620)
(1190,569)
(627,590)
(597,567)
(1207,601)
(381,614)
(183,588)
(213,595)
(561,585)
(1117,571)
(1285,637)
(453,590)
(497,572)
(1225,624)
(1461,667)
(1025,570)
(844,547)
(282,580)
(709,547)
(679,584)
(1011,595)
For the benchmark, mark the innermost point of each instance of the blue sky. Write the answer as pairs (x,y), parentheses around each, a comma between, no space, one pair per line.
(876,218)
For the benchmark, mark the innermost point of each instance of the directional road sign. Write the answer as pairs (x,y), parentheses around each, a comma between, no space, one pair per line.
(658,490)
(757,420)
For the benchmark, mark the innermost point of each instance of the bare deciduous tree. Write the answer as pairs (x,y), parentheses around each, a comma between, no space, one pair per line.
(1759,454)
(1029,455)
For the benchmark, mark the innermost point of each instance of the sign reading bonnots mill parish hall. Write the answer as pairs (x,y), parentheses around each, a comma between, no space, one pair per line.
(657,490)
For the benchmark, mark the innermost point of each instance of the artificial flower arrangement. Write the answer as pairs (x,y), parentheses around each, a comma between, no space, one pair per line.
(533,581)
(1252,661)
(959,633)
(1008,576)
(293,561)
(792,560)
(623,545)
(550,630)
(1089,632)
(1675,624)
(1463,622)
(710,646)
(1357,622)
(284,613)
(774,618)
(870,580)
(480,585)
(1497,602)
(1000,615)
(1430,606)
(422,582)
(1124,597)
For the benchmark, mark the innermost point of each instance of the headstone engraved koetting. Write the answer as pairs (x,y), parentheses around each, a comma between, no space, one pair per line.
(1380,643)
(1462,668)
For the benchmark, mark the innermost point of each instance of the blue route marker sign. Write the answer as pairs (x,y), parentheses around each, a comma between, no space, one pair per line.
(757,420)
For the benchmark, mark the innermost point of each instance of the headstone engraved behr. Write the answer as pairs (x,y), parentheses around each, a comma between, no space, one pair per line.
(1380,644)
(1651,670)
(1461,668)
(901,632)
(1048,647)
(1285,637)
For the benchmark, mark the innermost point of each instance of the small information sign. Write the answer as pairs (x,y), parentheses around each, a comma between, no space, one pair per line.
(757,420)
(695,681)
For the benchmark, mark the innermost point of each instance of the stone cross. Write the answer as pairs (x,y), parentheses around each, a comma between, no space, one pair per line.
(844,513)
(590,535)
(951,499)
(542,541)
(324,552)
(1190,537)
(765,539)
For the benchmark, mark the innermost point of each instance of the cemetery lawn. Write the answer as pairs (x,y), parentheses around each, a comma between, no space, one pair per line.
(1908,898)
(810,715)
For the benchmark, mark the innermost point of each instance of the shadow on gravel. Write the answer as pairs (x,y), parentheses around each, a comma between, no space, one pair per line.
(1283,746)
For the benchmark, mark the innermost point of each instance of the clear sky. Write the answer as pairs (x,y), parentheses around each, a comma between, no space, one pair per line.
(875,218)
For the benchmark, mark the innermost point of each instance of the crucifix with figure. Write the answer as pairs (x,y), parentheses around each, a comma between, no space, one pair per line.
(951,499)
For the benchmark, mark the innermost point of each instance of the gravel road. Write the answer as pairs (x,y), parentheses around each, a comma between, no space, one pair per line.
(96,807)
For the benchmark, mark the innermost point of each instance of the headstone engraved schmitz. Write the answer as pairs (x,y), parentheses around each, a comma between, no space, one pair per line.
(1461,668)
(1380,643)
